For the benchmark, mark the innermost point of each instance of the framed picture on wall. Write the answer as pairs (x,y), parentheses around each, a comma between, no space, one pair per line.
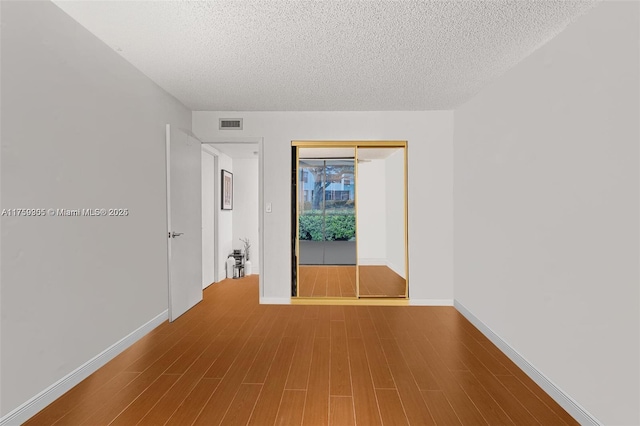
(227,190)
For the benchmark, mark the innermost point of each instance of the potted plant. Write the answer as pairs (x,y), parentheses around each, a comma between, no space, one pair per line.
(247,252)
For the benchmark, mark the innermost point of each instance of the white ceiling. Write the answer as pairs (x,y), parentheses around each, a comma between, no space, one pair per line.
(324,55)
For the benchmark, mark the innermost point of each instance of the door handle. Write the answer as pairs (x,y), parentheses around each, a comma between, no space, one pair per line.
(175,234)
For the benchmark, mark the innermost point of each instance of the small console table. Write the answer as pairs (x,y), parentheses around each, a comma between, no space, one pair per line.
(238,267)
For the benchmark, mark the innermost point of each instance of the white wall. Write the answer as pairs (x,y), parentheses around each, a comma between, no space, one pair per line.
(430,136)
(225,217)
(208,215)
(225,221)
(81,128)
(245,207)
(546,210)
(395,217)
(380,187)
(372,214)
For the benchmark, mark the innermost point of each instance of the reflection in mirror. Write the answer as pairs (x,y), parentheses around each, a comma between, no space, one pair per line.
(326,222)
(381,222)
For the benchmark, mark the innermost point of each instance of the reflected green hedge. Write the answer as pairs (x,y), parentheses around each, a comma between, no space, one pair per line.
(339,227)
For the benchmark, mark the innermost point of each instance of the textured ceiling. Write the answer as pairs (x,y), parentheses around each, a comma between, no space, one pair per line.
(324,55)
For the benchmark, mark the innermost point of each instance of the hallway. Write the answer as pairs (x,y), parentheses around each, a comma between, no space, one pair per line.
(232,361)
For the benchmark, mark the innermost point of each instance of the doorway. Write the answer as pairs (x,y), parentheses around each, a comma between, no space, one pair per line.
(239,221)
(184,218)
(349,228)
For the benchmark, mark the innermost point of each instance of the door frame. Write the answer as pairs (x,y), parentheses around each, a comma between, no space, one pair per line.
(260,142)
(216,205)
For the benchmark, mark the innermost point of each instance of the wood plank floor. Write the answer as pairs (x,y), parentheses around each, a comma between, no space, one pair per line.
(380,280)
(231,361)
(340,281)
(327,281)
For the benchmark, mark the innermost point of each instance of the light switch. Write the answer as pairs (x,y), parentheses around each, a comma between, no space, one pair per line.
(268,207)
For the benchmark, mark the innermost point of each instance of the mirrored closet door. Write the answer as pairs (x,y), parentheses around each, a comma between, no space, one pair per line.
(382,248)
(349,239)
(326,222)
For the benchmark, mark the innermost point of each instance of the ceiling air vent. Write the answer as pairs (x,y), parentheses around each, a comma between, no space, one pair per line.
(230,124)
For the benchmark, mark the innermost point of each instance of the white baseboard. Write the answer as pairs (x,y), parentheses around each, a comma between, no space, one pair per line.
(430,302)
(558,395)
(275,301)
(30,408)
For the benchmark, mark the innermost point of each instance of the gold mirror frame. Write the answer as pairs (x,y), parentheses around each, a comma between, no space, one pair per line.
(358,299)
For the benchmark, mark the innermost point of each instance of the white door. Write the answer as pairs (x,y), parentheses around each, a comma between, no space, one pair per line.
(184,221)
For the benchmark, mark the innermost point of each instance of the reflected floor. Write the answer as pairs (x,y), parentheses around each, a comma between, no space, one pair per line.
(377,281)
(327,281)
(340,281)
